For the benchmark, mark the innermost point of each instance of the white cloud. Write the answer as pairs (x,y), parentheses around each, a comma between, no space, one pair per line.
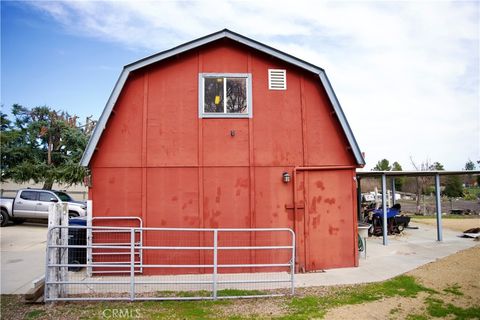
(407,73)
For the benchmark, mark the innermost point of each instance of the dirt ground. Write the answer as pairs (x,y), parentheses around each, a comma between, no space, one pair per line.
(456,278)
(453,224)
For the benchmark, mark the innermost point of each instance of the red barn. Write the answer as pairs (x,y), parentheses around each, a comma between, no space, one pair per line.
(208,135)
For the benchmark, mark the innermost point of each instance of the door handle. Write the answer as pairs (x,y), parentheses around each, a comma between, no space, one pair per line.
(18,202)
(39,203)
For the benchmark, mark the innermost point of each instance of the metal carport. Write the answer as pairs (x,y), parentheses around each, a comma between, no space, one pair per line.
(383,175)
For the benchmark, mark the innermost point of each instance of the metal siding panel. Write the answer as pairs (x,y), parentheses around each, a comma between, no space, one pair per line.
(119,146)
(226,205)
(225,58)
(272,194)
(277,122)
(172,202)
(172,120)
(172,197)
(324,136)
(220,148)
(117,191)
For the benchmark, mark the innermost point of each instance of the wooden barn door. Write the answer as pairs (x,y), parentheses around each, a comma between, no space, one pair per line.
(329,220)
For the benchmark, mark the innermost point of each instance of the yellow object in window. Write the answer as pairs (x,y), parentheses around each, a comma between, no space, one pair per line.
(217,99)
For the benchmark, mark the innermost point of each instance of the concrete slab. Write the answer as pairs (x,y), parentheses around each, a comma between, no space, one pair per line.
(412,249)
(22,256)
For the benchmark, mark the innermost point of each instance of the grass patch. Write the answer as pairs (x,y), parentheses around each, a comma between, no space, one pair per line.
(239,293)
(205,293)
(416,317)
(34,314)
(203,309)
(315,307)
(437,308)
(454,289)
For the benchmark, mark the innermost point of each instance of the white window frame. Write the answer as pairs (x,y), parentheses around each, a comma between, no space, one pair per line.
(201,93)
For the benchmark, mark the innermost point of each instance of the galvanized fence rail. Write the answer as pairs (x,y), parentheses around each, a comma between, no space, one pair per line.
(98,237)
(176,263)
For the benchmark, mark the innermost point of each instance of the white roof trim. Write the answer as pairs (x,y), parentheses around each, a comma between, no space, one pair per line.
(102,122)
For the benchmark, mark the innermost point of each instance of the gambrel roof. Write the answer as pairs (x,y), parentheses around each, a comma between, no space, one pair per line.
(102,122)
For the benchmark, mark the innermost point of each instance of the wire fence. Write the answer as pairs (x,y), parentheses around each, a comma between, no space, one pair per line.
(135,263)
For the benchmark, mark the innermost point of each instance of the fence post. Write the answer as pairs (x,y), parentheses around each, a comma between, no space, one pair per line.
(89,237)
(63,274)
(215,262)
(132,264)
(53,254)
(50,272)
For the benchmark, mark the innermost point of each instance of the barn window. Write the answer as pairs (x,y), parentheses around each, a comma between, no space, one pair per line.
(225,95)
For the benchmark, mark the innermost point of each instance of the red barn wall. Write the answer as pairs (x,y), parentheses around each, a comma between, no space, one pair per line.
(158,160)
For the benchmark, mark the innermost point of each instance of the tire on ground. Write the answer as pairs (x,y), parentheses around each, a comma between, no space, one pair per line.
(4,218)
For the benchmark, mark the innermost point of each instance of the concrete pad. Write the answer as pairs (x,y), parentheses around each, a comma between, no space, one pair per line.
(22,256)
(405,252)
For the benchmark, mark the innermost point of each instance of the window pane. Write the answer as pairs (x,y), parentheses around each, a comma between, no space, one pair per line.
(28,195)
(63,196)
(237,95)
(213,95)
(45,196)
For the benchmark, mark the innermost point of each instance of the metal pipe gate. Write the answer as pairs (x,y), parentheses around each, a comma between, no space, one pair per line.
(177,263)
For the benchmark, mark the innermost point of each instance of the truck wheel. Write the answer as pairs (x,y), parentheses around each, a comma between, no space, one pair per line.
(72,214)
(3,218)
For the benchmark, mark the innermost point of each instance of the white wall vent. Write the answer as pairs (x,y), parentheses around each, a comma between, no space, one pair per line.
(277,79)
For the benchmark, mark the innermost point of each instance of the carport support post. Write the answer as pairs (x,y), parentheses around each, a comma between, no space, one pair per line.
(384,208)
(438,203)
(393,190)
(359,199)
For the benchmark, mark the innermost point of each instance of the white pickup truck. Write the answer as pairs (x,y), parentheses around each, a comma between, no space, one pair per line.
(34,204)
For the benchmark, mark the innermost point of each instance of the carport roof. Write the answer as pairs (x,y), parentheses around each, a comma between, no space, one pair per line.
(225,33)
(362,174)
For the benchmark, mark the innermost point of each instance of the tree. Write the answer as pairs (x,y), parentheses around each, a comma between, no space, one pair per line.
(470,165)
(453,187)
(43,145)
(436,166)
(399,181)
(382,165)
(423,182)
(469,179)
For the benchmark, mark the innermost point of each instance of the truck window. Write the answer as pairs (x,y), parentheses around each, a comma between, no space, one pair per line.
(45,196)
(29,195)
(63,196)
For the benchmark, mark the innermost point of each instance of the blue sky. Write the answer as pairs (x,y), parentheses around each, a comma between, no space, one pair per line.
(406,73)
(44,64)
